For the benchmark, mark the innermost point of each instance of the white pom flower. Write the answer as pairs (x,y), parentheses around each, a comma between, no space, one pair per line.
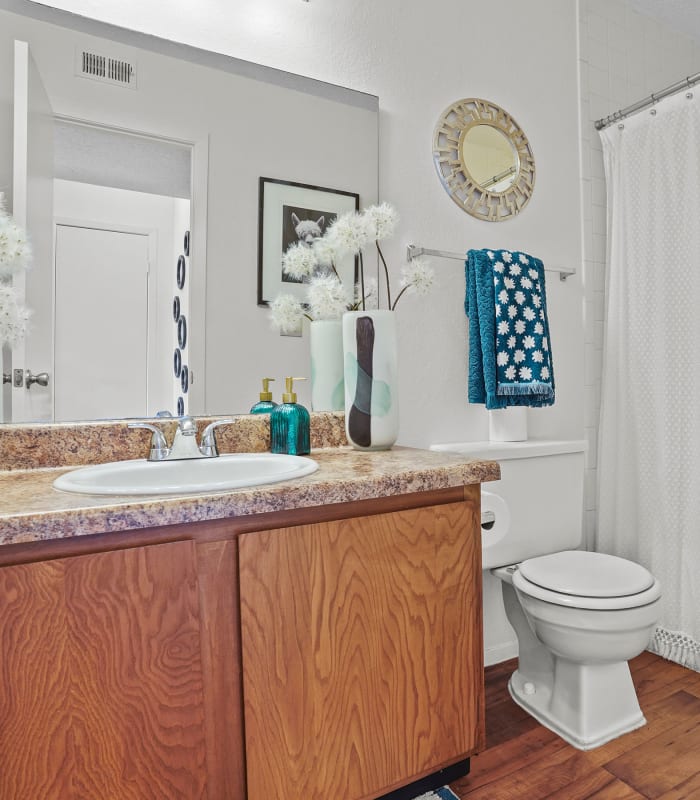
(286,313)
(14,317)
(328,298)
(383,220)
(328,249)
(418,276)
(352,232)
(15,251)
(299,261)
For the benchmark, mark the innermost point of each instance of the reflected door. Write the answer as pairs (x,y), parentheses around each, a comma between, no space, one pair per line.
(32,208)
(101,323)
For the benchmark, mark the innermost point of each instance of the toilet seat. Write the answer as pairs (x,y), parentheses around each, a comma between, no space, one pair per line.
(586,580)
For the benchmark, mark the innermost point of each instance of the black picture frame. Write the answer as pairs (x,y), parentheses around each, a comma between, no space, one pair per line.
(317,206)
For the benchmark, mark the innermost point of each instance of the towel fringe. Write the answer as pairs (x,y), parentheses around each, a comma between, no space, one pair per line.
(534,387)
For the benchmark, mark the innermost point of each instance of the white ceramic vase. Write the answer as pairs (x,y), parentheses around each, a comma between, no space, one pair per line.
(508,424)
(327,375)
(371,385)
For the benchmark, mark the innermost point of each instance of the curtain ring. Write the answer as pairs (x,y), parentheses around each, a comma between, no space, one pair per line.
(620,127)
(653,112)
(689,95)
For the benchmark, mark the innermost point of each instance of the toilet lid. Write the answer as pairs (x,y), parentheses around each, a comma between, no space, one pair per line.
(584,574)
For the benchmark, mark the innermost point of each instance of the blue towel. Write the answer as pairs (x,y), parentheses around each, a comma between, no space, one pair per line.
(510,360)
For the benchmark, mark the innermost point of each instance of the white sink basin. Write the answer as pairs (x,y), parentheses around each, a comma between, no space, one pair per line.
(231,471)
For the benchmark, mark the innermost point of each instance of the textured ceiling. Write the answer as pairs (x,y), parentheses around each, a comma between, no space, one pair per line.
(682,16)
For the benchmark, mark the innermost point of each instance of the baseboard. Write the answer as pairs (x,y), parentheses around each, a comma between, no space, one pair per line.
(501,652)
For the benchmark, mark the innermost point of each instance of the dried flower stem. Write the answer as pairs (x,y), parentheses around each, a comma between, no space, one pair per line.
(386,275)
(362,281)
(398,297)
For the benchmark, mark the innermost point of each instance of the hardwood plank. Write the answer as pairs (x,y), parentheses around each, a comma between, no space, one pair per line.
(357,638)
(518,746)
(667,760)
(598,784)
(688,790)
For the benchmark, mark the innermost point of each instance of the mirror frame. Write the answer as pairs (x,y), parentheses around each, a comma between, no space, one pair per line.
(448,140)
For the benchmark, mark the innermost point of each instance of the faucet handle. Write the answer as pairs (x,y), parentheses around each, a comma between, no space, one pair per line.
(159,445)
(186,425)
(208,445)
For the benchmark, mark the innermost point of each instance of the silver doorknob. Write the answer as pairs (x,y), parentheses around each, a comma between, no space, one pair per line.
(42,379)
(6,377)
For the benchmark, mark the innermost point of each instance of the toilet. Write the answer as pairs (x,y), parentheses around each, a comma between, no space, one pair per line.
(578,616)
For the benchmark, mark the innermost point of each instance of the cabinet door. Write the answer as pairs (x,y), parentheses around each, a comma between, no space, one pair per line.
(100,677)
(362,652)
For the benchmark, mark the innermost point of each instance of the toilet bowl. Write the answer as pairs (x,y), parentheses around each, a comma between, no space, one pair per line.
(579,617)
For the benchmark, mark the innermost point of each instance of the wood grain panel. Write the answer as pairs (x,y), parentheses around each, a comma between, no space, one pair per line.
(121,715)
(34,683)
(221,661)
(362,652)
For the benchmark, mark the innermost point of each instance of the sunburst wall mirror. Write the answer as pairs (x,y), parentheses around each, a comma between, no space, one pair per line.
(484,159)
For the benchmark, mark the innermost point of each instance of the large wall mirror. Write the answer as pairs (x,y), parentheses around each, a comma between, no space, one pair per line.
(483,159)
(142,198)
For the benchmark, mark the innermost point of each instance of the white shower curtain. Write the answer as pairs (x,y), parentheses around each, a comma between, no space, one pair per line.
(649,444)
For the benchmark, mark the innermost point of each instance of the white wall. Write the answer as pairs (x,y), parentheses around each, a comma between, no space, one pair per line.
(624,57)
(419,58)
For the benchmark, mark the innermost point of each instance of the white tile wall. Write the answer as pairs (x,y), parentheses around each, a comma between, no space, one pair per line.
(624,56)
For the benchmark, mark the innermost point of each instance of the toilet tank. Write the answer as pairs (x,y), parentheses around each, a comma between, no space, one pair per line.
(542,488)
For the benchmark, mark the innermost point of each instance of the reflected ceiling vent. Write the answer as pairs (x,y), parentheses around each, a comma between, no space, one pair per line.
(104,68)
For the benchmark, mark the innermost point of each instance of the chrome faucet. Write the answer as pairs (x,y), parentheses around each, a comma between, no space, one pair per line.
(185,440)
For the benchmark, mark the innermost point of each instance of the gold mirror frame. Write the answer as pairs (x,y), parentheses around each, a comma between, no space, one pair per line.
(448,142)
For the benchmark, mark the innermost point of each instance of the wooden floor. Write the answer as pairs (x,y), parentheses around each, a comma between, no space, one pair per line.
(525,761)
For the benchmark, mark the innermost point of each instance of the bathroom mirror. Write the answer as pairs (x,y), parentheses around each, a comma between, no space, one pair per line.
(225,113)
(483,159)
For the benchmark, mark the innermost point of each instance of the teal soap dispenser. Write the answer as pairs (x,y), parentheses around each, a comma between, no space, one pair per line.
(290,424)
(265,403)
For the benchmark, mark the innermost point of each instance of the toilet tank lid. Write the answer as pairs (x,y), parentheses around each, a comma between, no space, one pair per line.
(584,574)
(506,451)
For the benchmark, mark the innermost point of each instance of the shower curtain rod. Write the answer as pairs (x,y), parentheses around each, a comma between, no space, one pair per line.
(686,83)
(413,251)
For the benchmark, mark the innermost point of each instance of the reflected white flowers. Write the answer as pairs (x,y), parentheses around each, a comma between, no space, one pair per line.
(13,317)
(15,256)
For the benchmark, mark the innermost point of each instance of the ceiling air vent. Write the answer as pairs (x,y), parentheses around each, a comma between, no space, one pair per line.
(104,68)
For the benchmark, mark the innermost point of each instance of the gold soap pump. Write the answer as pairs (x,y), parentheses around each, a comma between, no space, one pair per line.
(290,424)
(265,404)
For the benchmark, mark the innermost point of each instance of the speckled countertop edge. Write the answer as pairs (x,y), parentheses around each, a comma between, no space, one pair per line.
(32,510)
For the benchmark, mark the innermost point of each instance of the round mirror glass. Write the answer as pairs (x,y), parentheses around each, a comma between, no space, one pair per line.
(483,159)
(490,157)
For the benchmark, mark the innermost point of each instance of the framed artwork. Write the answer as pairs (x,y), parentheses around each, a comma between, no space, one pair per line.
(292,212)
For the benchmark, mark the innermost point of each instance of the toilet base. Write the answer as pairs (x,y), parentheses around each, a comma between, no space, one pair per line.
(587,705)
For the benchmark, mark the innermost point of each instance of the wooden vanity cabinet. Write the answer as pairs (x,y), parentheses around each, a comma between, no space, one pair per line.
(101,690)
(332,652)
(361,644)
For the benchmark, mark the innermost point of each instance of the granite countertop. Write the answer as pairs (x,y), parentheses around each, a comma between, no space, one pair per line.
(32,510)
